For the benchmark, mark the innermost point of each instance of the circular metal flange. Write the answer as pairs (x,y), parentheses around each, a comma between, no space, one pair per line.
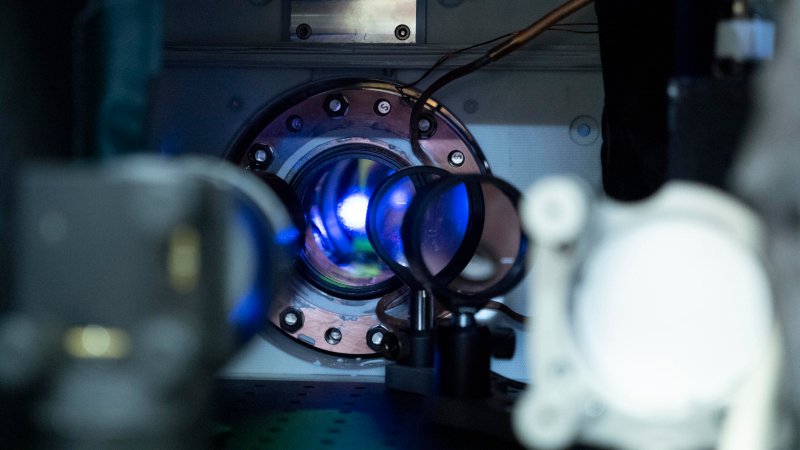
(330,296)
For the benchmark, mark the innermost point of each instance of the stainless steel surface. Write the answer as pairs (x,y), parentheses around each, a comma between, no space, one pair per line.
(421,311)
(354,21)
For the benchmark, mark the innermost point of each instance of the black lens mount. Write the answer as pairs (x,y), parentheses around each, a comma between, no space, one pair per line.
(419,176)
(414,242)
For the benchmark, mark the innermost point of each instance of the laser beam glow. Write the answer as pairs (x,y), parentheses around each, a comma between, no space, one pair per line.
(352,211)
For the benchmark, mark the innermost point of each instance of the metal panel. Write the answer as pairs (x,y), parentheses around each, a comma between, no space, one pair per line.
(215,22)
(354,21)
(261,23)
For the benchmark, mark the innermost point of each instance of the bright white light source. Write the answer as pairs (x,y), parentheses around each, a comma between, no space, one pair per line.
(671,315)
(352,211)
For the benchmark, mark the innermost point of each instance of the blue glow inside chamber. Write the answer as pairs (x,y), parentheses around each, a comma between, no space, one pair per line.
(443,227)
(335,198)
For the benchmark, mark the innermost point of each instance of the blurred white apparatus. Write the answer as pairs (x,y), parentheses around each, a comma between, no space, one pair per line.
(766,174)
(653,321)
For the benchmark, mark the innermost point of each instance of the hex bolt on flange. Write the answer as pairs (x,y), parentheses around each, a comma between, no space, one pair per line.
(261,156)
(336,105)
(375,337)
(426,125)
(291,319)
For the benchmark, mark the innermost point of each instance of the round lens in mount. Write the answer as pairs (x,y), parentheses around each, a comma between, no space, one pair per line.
(335,195)
(472,220)
(387,210)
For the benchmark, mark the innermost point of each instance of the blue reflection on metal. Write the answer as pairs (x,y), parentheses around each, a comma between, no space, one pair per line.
(249,312)
(287,236)
(247,317)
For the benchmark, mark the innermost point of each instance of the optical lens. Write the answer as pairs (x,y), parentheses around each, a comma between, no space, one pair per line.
(388,208)
(443,227)
(335,197)
(464,239)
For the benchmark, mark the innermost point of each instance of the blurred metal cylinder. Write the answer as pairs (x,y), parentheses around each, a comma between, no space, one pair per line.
(126,301)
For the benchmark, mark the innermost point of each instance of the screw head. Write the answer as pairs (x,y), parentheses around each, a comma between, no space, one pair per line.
(584,130)
(336,105)
(375,337)
(402,32)
(333,336)
(303,31)
(424,125)
(291,319)
(383,107)
(261,156)
(294,123)
(456,158)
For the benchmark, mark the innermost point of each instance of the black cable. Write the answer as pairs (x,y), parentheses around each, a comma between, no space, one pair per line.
(505,309)
(447,56)
(426,95)
(511,44)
